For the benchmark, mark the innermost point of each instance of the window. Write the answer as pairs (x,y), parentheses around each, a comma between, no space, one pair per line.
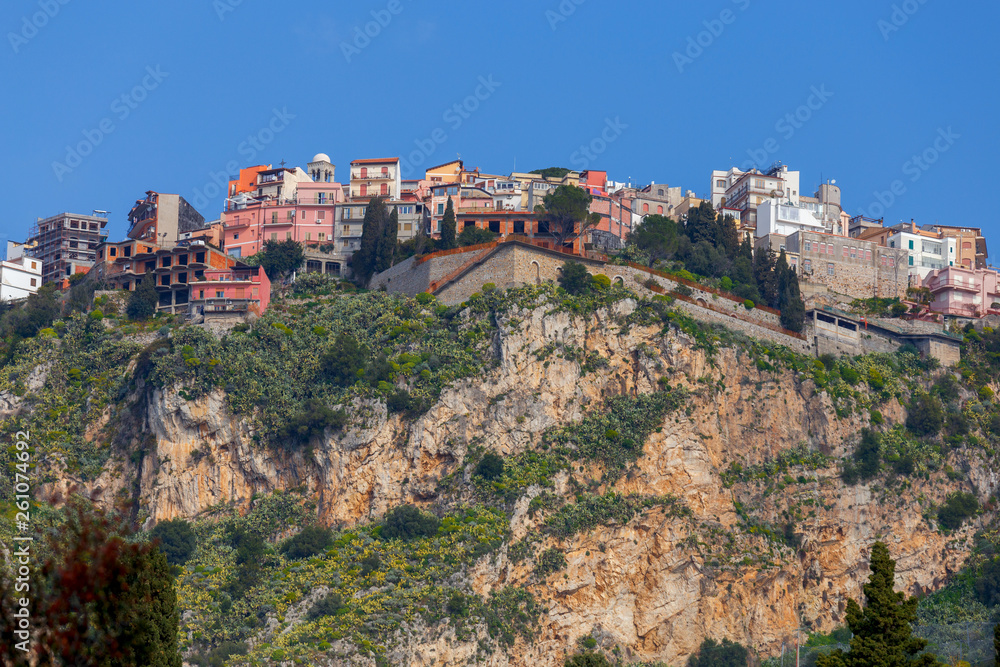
(385,171)
(911,245)
(291,215)
(519,226)
(846,251)
(911,257)
(236,236)
(868,255)
(321,215)
(364,172)
(274,218)
(220,294)
(829,268)
(364,190)
(660,191)
(854,253)
(303,215)
(34,282)
(892,262)
(274,236)
(440,209)
(883,260)
(34,265)
(201,294)
(807,265)
(659,209)
(111,251)
(128,251)
(347,230)
(308,236)
(322,236)
(385,188)
(288,236)
(809,246)
(719,184)
(453,190)
(645,208)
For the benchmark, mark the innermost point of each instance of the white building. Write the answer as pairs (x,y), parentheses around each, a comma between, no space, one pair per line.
(928,251)
(774,217)
(20,276)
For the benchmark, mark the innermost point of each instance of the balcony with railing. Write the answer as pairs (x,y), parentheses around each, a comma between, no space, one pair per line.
(372,175)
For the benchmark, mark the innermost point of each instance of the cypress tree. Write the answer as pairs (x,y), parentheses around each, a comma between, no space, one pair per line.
(387,248)
(728,236)
(448,227)
(142,302)
(882,630)
(365,261)
(764,275)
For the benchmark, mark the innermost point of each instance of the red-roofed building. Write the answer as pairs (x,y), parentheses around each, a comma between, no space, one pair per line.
(378,177)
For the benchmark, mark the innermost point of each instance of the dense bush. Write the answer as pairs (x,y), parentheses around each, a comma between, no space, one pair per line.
(926,415)
(715,654)
(406,522)
(549,561)
(309,541)
(217,656)
(489,467)
(177,540)
(959,507)
(588,659)
(575,278)
(987,583)
(343,362)
(312,422)
(142,301)
(473,235)
(329,605)
(865,461)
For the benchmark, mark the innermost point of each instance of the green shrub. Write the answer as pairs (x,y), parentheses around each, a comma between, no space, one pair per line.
(330,605)
(748,304)
(489,287)
(549,561)
(575,279)
(490,467)
(926,415)
(97,315)
(588,659)
(309,541)
(715,654)
(726,284)
(959,507)
(987,583)
(458,605)
(406,523)
(312,422)
(864,463)
(340,364)
(849,375)
(424,298)
(177,540)
(217,656)
(602,282)
(877,418)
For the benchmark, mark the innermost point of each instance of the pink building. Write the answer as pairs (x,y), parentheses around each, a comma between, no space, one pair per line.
(964,292)
(233,290)
(309,219)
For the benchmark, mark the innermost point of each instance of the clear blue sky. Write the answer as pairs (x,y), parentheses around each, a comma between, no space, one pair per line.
(566,74)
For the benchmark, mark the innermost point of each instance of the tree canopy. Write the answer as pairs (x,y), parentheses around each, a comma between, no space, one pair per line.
(657,236)
(551,172)
(142,301)
(565,213)
(281,258)
(100,598)
(375,254)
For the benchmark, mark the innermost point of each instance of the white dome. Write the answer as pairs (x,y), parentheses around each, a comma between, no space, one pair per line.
(321,157)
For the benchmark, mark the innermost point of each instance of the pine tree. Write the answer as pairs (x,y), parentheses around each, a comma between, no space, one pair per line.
(142,302)
(448,226)
(882,630)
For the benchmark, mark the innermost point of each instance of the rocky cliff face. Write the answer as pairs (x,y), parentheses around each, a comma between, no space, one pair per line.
(654,587)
